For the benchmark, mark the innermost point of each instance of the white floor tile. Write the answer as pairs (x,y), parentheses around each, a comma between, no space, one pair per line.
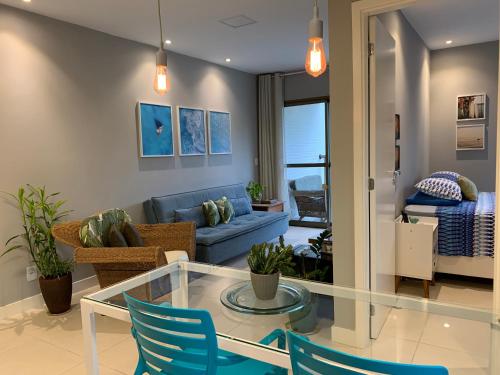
(458,334)
(122,357)
(456,362)
(37,357)
(404,324)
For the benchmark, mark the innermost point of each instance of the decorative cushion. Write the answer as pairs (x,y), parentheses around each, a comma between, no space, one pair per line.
(241,206)
(191,214)
(211,213)
(440,188)
(94,229)
(452,176)
(423,199)
(226,210)
(469,188)
(132,236)
(116,238)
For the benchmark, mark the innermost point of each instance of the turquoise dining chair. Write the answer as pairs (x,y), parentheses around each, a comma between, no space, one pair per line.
(310,358)
(177,341)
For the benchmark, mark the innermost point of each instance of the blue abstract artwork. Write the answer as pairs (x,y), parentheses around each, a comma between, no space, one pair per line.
(191,124)
(219,130)
(155,130)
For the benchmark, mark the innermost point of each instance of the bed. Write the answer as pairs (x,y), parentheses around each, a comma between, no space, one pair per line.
(465,235)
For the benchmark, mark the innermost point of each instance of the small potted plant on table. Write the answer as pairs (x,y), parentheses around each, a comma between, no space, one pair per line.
(255,190)
(39,212)
(266,261)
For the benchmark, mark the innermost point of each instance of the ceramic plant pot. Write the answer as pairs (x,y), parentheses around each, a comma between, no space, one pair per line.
(265,286)
(57,293)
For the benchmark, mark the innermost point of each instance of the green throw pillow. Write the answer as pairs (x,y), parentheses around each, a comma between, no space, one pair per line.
(211,213)
(94,230)
(116,238)
(226,209)
(469,189)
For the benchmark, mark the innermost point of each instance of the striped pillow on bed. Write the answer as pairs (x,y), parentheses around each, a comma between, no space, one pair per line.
(452,176)
(440,188)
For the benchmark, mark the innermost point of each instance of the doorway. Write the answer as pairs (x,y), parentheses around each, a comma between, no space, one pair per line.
(305,125)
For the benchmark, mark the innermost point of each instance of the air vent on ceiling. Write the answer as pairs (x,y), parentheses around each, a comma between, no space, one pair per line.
(237,21)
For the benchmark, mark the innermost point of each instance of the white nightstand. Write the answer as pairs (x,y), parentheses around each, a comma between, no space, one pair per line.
(416,250)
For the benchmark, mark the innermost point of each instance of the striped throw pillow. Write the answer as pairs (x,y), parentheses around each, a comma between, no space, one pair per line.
(440,188)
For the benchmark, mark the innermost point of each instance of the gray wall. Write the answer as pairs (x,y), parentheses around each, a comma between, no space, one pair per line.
(412,103)
(303,86)
(68,97)
(458,71)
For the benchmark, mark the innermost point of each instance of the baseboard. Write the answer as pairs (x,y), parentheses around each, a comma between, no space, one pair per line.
(36,302)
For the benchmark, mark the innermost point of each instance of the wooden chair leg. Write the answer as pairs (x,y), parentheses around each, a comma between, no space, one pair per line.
(426,288)
(397,279)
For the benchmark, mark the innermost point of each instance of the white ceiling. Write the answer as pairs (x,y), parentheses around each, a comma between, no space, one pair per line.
(277,42)
(462,21)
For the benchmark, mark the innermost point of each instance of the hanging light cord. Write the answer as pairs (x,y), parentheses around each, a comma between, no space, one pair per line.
(161,27)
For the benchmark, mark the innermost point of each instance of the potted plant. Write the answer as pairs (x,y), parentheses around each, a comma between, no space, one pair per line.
(255,190)
(266,261)
(39,212)
(305,320)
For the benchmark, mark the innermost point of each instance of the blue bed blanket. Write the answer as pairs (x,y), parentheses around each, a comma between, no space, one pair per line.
(469,228)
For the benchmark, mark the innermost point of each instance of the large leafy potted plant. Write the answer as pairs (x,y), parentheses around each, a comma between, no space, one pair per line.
(266,261)
(255,190)
(305,320)
(39,212)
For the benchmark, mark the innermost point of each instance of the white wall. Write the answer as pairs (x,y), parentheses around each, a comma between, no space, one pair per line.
(457,71)
(67,112)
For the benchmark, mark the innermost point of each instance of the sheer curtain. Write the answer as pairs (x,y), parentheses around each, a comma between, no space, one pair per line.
(271,142)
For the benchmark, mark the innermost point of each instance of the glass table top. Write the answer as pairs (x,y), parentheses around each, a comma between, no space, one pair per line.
(226,294)
(289,297)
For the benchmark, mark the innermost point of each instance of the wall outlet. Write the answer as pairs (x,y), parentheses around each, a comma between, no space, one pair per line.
(31,273)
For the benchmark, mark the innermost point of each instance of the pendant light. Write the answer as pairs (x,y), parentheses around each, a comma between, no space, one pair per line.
(315,56)
(162,78)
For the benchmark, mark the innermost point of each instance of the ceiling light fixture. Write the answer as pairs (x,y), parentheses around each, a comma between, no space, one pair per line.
(449,41)
(162,79)
(446,325)
(315,56)
(168,41)
(228,59)
(26,1)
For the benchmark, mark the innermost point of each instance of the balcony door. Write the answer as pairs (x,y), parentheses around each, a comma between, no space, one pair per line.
(305,126)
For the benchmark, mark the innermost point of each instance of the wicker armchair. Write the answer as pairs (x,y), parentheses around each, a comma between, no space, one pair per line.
(115,264)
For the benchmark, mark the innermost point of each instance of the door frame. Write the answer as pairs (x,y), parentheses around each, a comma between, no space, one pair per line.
(361,11)
(326,164)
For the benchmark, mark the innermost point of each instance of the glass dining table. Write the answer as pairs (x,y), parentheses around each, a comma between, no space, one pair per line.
(241,320)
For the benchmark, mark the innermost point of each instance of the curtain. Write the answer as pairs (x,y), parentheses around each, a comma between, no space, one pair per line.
(271,140)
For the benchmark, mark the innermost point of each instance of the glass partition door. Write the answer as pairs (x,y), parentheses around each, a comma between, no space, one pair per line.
(307,161)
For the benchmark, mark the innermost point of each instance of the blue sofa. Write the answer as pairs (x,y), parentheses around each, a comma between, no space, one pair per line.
(225,241)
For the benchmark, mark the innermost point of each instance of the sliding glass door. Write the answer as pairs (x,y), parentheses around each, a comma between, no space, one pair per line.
(307,161)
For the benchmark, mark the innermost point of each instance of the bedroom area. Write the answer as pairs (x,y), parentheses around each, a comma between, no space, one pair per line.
(436,64)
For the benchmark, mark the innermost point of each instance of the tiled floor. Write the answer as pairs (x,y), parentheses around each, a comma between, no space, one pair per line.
(36,343)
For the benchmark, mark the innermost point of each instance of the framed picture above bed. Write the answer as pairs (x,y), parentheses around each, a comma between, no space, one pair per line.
(471,107)
(470,137)
(155,130)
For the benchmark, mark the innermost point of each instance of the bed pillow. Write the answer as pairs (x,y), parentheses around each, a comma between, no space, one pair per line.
(452,176)
(440,188)
(469,188)
(423,199)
